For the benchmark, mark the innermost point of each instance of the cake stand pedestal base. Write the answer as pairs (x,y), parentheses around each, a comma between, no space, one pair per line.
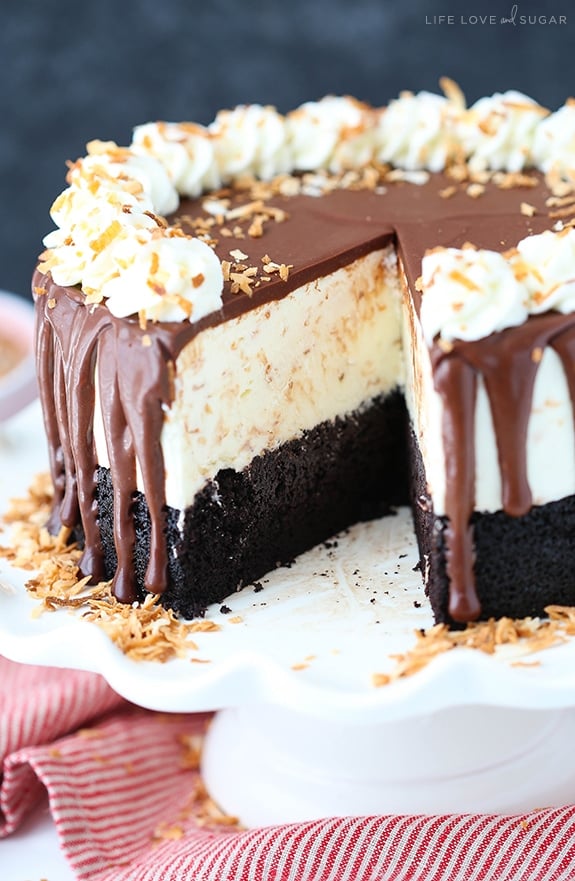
(268,765)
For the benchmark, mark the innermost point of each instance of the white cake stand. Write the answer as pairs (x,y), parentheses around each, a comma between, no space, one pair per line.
(300,730)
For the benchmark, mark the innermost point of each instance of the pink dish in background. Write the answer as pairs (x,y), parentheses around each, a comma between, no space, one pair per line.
(17,372)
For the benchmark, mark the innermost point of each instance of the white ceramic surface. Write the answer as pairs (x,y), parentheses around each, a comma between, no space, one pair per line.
(268,765)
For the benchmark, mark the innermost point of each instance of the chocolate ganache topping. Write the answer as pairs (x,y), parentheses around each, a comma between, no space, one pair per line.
(136,361)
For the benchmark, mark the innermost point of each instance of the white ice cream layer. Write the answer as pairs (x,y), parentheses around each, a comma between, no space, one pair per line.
(255,382)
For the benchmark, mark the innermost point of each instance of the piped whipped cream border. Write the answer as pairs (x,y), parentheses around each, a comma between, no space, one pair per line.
(469,293)
(112,237)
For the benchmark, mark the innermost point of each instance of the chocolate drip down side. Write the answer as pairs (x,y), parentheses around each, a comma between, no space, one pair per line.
(507,362)
(457,384)
(81,353)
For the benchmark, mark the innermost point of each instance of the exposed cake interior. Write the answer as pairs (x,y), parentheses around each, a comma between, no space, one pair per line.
(265,377)
(197,454)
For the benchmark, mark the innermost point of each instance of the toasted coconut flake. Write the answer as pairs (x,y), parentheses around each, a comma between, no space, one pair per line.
(212,815)
(458,172)
(203,625)
(243,281)
(452,91)
(143,631)
(201,810)
(380,679)
(464,281)
(216,207)
(475,190)
(246,210)
(256,227)
(92,296)
(566,211)
(509,180)
(564,616)
(238,255)
(165,832)
(559,186)
(191,751)
(410,177)
(103,240)
(560,201)
(526,635)
(527,209)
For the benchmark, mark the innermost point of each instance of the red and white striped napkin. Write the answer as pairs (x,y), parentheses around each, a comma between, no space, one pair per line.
(126,797)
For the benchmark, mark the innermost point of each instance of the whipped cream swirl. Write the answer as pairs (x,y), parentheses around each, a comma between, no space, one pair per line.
(497,132)
(250,139)
(335,133)
(468,294)
(546,265)
(416,132)
(554,142)
(185,150)
(165,279)
(112,240)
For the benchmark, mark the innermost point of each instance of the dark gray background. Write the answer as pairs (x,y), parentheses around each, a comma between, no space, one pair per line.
(73,70)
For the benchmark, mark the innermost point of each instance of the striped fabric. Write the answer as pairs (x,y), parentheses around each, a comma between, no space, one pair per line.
(128,805)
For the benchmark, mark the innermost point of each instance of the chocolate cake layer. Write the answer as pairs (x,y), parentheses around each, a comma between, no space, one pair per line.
(243,524)
(520,564)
